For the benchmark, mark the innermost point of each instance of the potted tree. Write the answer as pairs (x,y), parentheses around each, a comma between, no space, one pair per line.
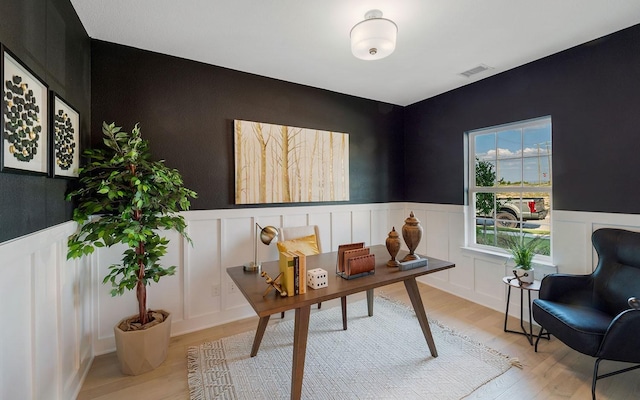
(522,250)
(125,198)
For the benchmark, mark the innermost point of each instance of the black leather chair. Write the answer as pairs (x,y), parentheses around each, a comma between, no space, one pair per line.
(597,314)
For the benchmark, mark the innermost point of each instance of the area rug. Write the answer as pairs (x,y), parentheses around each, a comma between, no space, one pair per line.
(380,357)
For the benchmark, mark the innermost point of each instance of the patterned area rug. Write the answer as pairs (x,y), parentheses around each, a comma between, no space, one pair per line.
(379,357)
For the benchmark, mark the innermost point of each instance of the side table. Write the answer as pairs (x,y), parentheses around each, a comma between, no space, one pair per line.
(512,282)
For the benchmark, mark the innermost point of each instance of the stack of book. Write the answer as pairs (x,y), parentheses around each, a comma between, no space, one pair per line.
(293,267)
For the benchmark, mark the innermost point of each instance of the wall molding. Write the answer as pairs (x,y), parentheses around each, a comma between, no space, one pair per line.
(46,349)
(63,307)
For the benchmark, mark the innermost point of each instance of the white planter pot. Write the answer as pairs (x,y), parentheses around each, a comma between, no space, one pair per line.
(525,275)
(143,350)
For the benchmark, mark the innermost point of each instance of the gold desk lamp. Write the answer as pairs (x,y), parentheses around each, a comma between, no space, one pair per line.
(266,235)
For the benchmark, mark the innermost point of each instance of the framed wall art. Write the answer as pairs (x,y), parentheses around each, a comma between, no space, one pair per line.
(24,118)
(65,138)
(285,164)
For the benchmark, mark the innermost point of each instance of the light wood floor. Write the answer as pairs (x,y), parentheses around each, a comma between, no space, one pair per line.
(555,372)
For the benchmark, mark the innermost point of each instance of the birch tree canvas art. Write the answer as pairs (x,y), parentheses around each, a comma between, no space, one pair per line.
(285,164)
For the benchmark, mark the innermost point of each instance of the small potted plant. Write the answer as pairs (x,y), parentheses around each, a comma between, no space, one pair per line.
(522,250)
(125,198)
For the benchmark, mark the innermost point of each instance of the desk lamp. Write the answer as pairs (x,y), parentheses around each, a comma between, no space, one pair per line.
(267,234)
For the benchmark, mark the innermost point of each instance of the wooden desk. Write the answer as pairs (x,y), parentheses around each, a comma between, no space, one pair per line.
(252,286)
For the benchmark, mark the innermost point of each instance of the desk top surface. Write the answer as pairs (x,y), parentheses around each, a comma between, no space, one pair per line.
(253,286)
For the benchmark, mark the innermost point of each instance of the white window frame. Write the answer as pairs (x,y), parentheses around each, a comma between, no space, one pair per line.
(471,242)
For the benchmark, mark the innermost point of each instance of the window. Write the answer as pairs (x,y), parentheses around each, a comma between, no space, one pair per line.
(510,185)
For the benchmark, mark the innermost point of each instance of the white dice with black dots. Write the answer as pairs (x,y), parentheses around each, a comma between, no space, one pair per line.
(317,278)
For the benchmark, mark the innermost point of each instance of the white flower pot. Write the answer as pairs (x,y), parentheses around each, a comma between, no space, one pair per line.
(525,275)
(143,350)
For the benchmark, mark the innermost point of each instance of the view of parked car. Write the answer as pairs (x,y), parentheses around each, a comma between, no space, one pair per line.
(513,210)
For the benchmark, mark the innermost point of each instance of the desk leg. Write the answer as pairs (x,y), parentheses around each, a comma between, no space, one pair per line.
(262,326)
(300,333)
(370,302)
(343,303)
(414,294)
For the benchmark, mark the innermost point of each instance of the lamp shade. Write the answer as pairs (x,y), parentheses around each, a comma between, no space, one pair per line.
(374,38)
(267,234)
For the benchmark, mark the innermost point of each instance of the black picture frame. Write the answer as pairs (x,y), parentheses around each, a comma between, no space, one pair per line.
(64,139)
(24,146)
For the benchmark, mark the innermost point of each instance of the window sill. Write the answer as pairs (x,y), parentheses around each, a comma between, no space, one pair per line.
(503,258)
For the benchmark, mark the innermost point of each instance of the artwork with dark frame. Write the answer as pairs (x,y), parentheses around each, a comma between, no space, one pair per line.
(65,138)
(24,118)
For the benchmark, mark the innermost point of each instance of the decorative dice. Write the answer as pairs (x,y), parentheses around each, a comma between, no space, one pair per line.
(317,278)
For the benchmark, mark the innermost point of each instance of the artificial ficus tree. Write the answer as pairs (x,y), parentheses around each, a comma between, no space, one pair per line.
(126,198)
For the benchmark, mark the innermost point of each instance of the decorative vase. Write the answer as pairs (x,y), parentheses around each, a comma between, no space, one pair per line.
(524,275)
(393,247)
(142,350)
(412,233)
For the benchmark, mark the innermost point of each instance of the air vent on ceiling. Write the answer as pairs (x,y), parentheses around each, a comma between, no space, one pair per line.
(476,70)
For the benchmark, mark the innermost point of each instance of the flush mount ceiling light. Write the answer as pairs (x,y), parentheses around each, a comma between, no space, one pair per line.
(374,38)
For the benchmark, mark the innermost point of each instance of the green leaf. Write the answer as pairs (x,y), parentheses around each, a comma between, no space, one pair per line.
(154,195)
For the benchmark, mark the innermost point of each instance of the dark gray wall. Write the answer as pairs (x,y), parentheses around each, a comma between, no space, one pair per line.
(48,37)
(592,93)
(415,153)
(186,110)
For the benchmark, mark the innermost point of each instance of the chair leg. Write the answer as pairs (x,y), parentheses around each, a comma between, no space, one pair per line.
(595,379)
(596,376)
(319,305)
(538,339)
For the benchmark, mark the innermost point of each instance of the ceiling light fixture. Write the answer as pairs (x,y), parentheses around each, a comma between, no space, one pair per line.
(374,38)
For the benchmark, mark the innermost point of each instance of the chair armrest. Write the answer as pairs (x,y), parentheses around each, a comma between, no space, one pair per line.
(565,288)
(620,340)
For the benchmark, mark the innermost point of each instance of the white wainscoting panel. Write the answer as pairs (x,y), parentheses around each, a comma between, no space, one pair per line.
(202,276)
(16,359)
(62,315)
(341,228)
(461,277)
(361,227)
(379,228)
(572,246)
(45,321)
(322,218)
(45,346)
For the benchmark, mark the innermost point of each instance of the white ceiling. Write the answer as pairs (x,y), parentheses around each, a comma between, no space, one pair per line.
(307,41)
